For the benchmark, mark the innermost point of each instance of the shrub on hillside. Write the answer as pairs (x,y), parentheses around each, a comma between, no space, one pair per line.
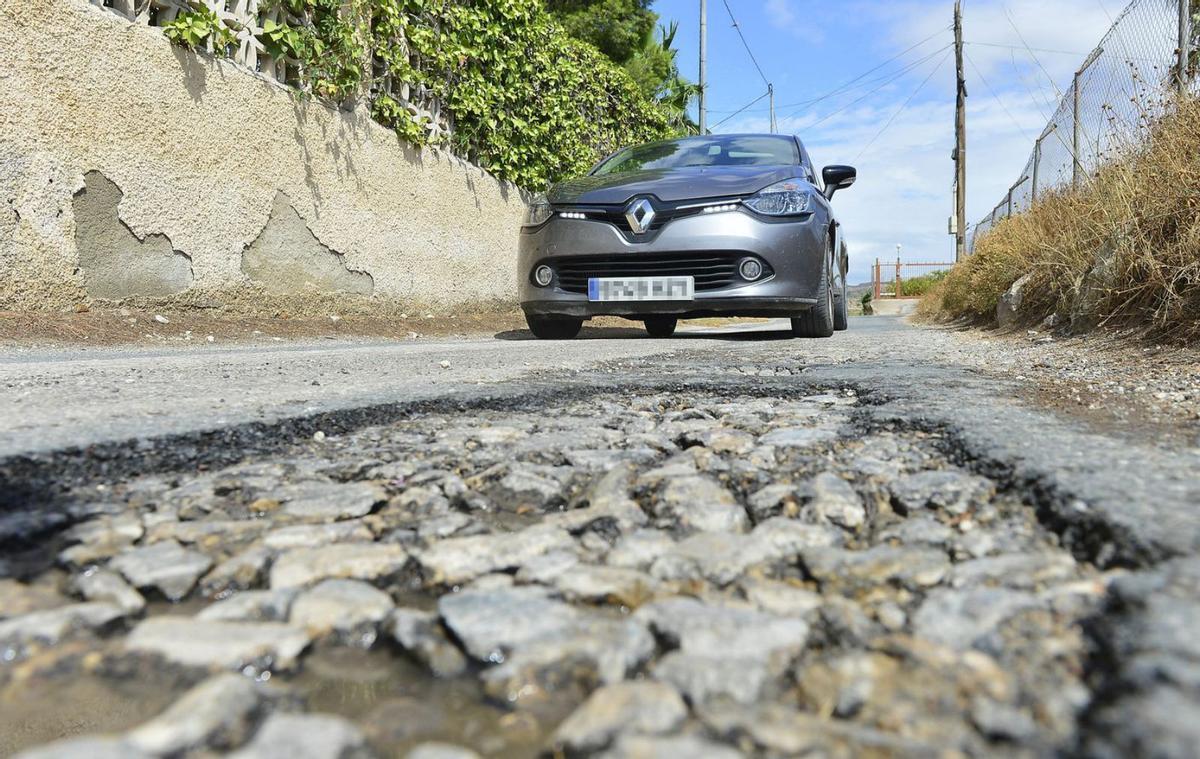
(915,287)
(1124,249)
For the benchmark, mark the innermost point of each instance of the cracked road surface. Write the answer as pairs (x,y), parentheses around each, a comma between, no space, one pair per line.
(722,545)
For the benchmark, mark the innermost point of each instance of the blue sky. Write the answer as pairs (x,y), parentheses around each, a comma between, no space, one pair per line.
(810,48)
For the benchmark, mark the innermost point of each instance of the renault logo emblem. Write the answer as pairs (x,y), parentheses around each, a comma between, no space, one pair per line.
(640,215)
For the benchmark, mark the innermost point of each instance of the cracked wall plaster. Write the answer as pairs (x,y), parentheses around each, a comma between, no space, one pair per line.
(287,257)
(115,263)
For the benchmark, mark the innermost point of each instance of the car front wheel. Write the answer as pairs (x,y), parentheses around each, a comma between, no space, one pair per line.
(553,328)
(818,320)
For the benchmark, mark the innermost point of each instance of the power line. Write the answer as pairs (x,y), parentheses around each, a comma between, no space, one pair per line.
(1038,97)
(904,107)
(849,85)
(739,111)
(992,90)
(738,28)
(898,75)
(1033,55)
(1026,47)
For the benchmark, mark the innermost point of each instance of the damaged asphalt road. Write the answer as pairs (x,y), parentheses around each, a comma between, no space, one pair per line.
(706,547)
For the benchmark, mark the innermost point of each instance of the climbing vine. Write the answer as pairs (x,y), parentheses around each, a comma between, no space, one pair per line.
(528,102)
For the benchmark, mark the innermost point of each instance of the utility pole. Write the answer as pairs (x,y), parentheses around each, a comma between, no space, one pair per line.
(771,93)
(703,67)
(960,142)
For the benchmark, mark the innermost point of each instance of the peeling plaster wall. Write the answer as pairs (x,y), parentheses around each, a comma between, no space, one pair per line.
(116,264)
(255,191)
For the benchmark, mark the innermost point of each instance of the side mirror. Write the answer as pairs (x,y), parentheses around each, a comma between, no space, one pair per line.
(838,178)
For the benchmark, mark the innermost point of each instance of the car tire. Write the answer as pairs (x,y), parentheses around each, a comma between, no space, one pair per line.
(818,320)
(661,326)
(841,311)
(552,328)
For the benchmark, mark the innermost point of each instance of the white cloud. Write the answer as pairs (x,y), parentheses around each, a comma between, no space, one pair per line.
(783,14)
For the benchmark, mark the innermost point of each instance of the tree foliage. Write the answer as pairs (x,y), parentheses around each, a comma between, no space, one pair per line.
(624,30)
(617,28)
(529,102)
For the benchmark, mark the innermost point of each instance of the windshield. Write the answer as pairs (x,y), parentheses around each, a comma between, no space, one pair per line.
(737,150)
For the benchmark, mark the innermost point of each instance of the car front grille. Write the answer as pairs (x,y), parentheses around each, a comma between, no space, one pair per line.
(663,216)
(713,270)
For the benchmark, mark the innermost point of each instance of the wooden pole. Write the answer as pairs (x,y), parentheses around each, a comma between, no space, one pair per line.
(960,140)
(703,67)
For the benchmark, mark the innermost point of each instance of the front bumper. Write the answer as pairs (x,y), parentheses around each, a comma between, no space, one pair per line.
(793,249)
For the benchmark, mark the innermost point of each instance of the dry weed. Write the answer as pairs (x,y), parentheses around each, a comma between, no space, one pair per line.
(1124,249)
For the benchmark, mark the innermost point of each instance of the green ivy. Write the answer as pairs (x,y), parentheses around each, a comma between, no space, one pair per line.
(197,27)
(529,103)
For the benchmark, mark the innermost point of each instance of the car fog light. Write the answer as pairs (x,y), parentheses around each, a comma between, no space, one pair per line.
(543,275)
(750,269)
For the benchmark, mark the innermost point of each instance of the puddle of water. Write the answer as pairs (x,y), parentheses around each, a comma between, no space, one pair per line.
(400,705)
(40,710)
(396,702)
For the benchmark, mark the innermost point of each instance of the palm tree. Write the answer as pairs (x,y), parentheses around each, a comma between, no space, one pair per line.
(676,93)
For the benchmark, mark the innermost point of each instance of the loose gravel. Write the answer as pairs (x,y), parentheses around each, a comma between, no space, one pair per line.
(618,575)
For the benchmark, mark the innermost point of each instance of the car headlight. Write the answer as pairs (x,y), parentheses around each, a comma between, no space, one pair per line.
(539,211)
(786,198)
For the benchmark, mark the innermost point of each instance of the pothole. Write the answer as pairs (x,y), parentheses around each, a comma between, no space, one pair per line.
(792,580)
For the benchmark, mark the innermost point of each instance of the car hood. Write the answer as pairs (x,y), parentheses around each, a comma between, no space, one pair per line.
(671,185)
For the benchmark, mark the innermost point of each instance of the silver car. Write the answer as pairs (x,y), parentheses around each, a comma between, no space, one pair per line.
(723,225)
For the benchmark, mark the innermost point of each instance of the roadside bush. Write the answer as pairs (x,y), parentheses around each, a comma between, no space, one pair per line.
(1123,250)
(918,286)
(529,103)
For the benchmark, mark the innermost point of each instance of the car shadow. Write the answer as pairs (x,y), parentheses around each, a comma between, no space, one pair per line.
(634,333)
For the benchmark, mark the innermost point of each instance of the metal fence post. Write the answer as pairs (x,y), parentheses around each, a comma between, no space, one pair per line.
(1077,172)
(1037,165)
(1077,169)
(1185,38)
(899,291)
(878,284)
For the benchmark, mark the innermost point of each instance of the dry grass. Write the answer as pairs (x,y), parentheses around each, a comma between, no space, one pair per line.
(1141,213)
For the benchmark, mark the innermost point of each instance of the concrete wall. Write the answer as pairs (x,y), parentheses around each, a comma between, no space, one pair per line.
(133,170)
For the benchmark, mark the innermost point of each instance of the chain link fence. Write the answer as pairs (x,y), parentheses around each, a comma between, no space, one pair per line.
(1118,92)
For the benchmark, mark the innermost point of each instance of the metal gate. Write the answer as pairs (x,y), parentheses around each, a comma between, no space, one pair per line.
(899,272)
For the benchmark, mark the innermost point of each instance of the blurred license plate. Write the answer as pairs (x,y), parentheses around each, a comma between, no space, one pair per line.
(641,288)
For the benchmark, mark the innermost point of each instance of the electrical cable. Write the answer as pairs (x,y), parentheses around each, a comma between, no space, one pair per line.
(738,28)
(739,111)
(988,84)
(849,85)
(1038,61)
(856,101)
(1017,47)
(904,107)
